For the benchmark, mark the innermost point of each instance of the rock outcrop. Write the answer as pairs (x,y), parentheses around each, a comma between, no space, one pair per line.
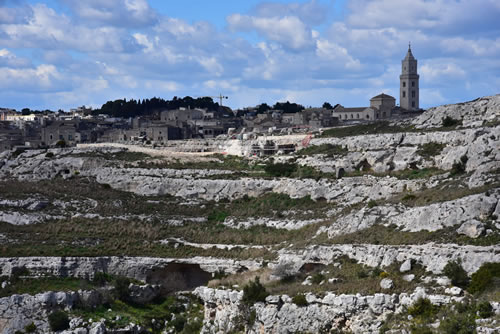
(224,311)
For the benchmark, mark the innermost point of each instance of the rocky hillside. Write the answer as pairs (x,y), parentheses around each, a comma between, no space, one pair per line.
(387,227)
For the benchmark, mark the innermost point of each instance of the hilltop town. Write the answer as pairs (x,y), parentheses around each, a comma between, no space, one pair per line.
(194,218)
(156,122)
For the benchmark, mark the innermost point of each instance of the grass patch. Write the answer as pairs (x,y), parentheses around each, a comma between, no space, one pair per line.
(152,316)
(364,129)
(429,150)
(391,235)
(33,286)
(329,150)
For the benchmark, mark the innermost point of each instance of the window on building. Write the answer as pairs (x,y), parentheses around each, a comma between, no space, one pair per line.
(61,137)
(413,83)
(383,114)
(404,83)
(413,104)
(412,93)
(367,116)
(50,137)
(352,116)
(70,137)
(357,115)
(404,94)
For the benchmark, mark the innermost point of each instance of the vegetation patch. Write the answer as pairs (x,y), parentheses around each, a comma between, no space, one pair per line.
(329,150)
(300,300)
(58,321)
(431,149)
(365,129)
(484,277)
(456,273)
(183,314)
(254,292)
(449,122)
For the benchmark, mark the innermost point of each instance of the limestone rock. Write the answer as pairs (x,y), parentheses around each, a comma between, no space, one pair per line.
(386,283)
(472,229)
(455,291)
(409,277)
(405,266)
(143,294)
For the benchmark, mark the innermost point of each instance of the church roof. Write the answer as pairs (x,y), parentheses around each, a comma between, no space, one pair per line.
(409,55)
(382,96)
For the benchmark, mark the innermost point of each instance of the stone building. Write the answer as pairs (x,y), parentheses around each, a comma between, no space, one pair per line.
(381,107)
(409,86)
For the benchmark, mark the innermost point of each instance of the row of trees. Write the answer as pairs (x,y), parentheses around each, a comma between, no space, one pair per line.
(132,108)
(287,107)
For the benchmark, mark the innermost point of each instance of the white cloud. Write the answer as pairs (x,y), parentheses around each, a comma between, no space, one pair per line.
(446,16)
(122,13)
(42,78)
(48,30)
(441,71)
(290,31)
(332,51)
(311,12)
(8,59)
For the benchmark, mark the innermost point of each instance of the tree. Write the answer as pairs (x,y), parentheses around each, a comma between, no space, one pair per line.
(262,108)
(327,105)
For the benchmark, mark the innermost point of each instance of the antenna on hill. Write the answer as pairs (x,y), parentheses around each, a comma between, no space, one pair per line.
(220,97)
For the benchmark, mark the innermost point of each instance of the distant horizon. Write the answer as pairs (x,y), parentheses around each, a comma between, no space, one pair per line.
(62,54)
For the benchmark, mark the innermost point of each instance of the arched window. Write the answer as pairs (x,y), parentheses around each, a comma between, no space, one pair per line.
(404,83)
(352,116)
(357,115)
(367,116)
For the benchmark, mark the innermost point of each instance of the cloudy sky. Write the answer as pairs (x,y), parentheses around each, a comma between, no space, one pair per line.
(65,53)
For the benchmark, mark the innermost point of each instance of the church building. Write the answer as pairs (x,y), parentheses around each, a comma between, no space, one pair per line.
(383,106)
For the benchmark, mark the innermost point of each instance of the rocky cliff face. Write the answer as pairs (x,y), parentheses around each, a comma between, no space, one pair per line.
(224,311)
(414,199)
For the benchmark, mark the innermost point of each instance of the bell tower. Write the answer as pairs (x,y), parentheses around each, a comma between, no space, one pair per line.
(408,83)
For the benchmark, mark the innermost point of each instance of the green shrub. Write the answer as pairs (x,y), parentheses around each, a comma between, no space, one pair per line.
(449,122)
(121,288)
(422,308)
(431,149)
(328,149)
(101,278)
(300,300)
(17,272)
(58,321)
(408,197)
(251,318)
(376,272)
(317,278)
(482,278)
(31,328)
(280,169)
(178,323)
(217,216)
(254,292)
(485,310)
(458,323)
(372,203)
(458,167)
(192,327)
(49,155)
(456,273)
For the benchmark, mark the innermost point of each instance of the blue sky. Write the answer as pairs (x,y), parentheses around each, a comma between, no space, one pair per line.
(65,53)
